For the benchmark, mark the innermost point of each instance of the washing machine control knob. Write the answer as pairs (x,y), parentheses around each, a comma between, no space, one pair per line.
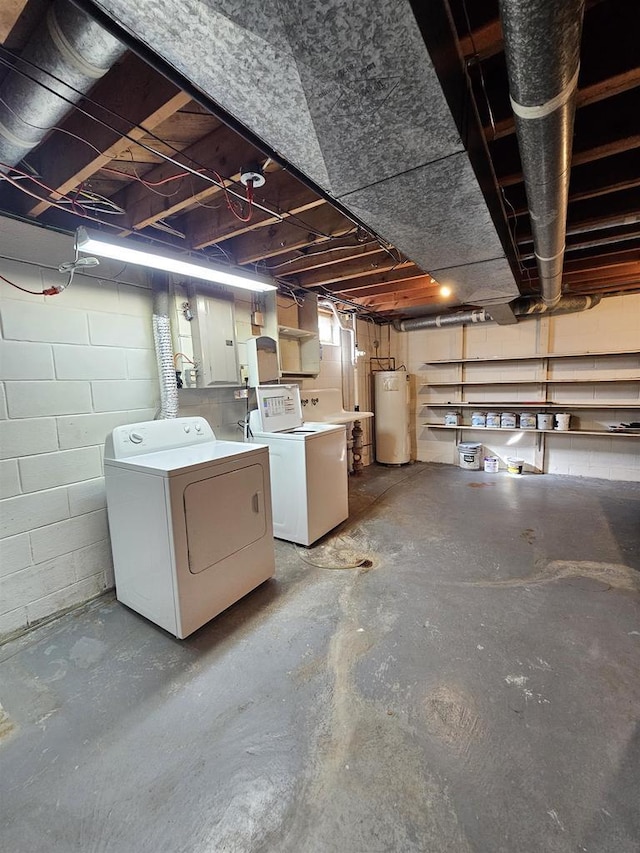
(186,428)
(198,428)
(135,438)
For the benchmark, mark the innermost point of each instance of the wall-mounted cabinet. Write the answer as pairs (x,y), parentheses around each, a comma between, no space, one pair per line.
(294,324)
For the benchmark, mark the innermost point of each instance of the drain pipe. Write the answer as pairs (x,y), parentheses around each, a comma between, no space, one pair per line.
(542,48)
(522,308)
(69,51)
(164,347)
(329,306)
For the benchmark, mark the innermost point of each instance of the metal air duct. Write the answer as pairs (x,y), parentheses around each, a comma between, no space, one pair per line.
(542,47)
(66,56)
(462,318)
(523,308)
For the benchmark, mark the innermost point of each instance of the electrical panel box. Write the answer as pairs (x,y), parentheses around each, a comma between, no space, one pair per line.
(214,341)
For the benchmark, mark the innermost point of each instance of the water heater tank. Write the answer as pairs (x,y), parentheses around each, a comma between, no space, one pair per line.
(391,390)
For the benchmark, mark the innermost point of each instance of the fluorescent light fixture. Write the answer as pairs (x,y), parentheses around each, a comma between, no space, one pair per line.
(145,256)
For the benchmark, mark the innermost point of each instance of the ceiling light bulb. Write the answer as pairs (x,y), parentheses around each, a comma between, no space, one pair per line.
(445,291)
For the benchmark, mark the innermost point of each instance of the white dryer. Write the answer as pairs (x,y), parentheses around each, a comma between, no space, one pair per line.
(308,462)
(190,520)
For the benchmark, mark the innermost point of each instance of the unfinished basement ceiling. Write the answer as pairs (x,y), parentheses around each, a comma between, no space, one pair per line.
(403,125)
(347,93)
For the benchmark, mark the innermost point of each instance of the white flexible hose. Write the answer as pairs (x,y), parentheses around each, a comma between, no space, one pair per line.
(166,367)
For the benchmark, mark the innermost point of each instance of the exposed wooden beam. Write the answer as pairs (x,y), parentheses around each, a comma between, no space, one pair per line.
(221,150)
(621,218)
(281,193)
(608,88)
(621,186)
(616,146)
(484,42)
(603,262)
(355,268)
(418,282)
(315,226)
(402,303)
(131,89)
(325,257)
(10,11)
(373,279)
(625,284)
(594,192)
(609,273)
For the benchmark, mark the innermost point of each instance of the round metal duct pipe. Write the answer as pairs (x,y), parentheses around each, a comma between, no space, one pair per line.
(462,318)
(67,54)
(542,48)
(522,308)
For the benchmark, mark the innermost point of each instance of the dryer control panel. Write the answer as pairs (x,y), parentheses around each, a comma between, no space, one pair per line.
(151,436)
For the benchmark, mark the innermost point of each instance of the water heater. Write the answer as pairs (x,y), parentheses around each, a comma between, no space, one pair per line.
(391,390)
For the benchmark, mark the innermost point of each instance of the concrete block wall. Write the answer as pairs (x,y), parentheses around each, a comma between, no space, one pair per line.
(612,325)
(73,367)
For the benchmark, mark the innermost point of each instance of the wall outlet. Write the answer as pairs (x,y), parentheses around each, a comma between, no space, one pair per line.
(257,318)
(241,394)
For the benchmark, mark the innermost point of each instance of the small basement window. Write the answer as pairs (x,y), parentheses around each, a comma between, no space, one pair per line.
(328,329)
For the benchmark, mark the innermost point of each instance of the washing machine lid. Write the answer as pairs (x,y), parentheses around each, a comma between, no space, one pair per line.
(174,461)
(279,408)
(307,432)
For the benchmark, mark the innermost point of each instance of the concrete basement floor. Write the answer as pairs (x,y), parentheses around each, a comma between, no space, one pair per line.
(477,689)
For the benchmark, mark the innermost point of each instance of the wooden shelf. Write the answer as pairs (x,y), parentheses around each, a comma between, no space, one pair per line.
(539,357)
(295,334)
(464,382)
(520,429)
(511,405)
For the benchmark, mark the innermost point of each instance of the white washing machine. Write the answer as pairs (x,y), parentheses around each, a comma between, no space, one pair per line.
(309,480)
(190,520)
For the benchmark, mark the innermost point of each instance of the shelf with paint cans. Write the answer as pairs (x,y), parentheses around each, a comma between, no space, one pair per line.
(540,404)
(469,427)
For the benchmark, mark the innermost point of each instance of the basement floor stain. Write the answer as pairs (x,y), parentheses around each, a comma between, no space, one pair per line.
(470,684)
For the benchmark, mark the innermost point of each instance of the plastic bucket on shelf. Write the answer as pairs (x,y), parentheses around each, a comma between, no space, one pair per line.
(514,465)
(563,420)
(527,420)
(470,455)
(508,420)
(478,419)
(452,419)
(545,421)
(493,419)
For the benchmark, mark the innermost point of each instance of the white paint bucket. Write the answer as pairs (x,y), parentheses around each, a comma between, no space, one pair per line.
(563,421)
(491,464)
(508,420)
(470,456)
(514,465)
(493,419)
(545,421)
(527,420)
(452,419)
(478,419)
